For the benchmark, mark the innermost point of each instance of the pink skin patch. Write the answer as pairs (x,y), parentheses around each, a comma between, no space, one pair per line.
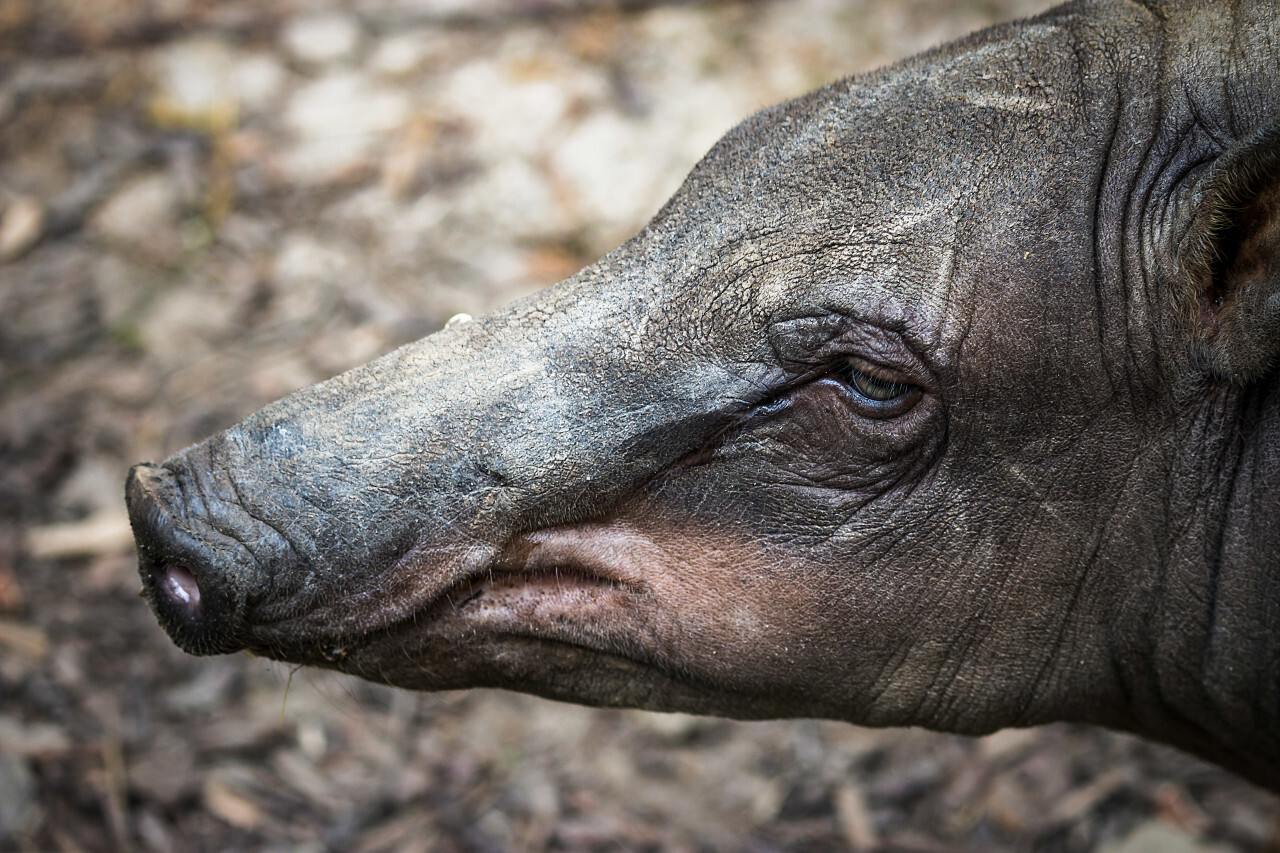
(181,585)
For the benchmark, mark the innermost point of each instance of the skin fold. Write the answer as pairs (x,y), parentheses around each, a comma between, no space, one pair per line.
(941,396)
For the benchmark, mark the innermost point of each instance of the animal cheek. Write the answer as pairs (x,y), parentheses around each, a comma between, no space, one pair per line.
(731,608)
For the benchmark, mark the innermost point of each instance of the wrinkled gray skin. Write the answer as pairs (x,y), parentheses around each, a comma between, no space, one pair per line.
(658,484)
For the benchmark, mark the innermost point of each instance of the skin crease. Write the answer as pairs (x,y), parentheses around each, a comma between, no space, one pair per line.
(657,483)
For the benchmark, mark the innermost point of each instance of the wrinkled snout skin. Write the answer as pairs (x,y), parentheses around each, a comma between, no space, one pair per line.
(944,396)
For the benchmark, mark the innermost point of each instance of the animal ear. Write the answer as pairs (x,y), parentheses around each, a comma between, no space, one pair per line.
(1233,259)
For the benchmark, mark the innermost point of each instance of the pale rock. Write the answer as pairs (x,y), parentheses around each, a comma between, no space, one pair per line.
(20,226)
(616,180)
(692,42)
(68,666)
(207,687)
(340,351)
(19,806)
(142,215)
(313,740)
(404,162)
(19,639)
(339,122)
(166,771)
(513,200)
(1161,837)
(34,738)
(402,54)
(322,38)
(182,319)
(687,126)
(512,110)
(257,79)
(672,728)
(117,283)
(281,375)
(304,261)
(620,170)
(406,232)
(497,267)
(228,793)
(459,8)
(807,46)
(194,85)
(92,488)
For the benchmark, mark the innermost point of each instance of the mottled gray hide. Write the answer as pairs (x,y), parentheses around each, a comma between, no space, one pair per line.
(942,396)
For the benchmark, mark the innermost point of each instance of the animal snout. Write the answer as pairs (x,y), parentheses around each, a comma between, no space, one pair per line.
(191,590)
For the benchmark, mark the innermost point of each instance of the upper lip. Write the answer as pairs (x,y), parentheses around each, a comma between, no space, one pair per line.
(529,557)
(526,557)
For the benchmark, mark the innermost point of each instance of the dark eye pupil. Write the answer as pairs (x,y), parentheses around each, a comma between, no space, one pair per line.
(874,388)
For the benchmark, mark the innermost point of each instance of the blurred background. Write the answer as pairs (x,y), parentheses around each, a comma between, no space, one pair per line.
(205,205)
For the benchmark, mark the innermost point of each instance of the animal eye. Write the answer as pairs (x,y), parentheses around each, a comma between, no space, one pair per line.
(874,388)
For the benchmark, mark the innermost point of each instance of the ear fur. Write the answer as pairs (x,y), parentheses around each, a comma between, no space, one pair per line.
(1232,260)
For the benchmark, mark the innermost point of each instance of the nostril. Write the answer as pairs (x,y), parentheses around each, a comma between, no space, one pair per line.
(180,585)
(193,587)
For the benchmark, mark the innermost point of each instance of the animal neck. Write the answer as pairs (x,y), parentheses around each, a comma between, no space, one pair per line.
(1212,610)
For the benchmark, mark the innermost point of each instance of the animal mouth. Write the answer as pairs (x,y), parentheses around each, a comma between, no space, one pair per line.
(555,586)
(540,585)
(555,581)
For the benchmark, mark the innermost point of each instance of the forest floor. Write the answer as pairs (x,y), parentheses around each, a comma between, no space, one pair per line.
(205,205)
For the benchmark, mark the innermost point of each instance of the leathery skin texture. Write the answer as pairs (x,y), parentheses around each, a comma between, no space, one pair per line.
(942,396)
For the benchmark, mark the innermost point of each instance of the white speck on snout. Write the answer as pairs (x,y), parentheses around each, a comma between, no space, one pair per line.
(457,320)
